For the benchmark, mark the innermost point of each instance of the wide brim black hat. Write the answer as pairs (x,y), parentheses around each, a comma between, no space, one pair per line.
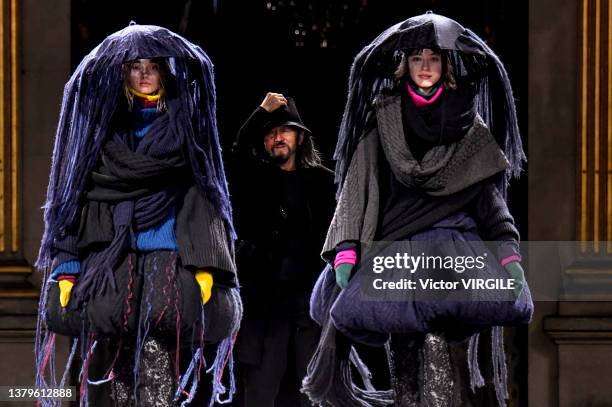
(431,30)
(285,116)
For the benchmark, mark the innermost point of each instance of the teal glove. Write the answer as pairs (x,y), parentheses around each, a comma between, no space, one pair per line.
(516,272)
(343,273)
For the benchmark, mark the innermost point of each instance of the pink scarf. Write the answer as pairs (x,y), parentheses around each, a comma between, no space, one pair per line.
(419,100)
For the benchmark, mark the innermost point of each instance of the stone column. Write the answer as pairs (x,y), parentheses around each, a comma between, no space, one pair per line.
(34,64)
(570,198)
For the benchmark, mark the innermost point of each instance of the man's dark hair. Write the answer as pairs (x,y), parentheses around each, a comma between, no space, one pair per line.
(307,154)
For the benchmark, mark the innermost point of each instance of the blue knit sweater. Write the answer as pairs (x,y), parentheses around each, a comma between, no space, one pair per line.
(161,237)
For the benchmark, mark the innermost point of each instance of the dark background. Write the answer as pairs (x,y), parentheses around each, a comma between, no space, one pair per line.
(304,49)
(259,46)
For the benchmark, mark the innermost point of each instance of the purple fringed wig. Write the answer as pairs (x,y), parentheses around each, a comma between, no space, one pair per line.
(138,198)
(89,102)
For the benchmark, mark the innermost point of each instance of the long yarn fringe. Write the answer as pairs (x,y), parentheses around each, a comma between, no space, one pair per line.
(500,373)
(83,393)
(329,382)
(198,358)
(191,371)
(142,333)
(44,350)
(223,358)
(476,379)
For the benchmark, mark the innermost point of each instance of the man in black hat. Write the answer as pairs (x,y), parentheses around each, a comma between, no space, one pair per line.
(283,203)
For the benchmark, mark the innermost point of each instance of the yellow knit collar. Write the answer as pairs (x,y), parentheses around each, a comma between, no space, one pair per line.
(151,98)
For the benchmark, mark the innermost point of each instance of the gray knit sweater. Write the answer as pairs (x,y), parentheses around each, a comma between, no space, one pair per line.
(202,237)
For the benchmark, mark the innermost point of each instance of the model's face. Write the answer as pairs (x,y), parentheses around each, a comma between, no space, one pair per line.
(425,68)
(281,143)
(144,76)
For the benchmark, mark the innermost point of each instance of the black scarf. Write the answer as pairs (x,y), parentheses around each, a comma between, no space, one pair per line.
(443,122)
(132,189)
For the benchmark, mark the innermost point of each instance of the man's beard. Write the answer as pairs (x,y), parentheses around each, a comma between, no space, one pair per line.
(279,159)
(282,156)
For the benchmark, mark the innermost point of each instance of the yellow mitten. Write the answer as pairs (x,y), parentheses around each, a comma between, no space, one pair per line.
(65,287)
(205,280)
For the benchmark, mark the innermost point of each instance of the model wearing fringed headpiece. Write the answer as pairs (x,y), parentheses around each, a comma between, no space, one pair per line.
(428,141)
(138,250)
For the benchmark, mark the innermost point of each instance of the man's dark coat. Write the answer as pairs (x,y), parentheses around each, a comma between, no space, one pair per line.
(261,223)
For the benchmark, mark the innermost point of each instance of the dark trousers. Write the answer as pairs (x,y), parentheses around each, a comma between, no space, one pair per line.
(290,341)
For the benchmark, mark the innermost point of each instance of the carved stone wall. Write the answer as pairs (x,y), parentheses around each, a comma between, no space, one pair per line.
(570,196)
(34,65)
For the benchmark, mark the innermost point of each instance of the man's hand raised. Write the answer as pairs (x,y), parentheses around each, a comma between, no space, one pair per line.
(273,101)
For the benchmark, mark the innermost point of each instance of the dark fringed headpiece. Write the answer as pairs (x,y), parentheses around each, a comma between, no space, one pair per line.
(91,97)
(473,63)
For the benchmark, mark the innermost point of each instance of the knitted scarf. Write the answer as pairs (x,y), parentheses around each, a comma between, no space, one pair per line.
(93,95)
(444,121)
(459,159)
(131,191)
